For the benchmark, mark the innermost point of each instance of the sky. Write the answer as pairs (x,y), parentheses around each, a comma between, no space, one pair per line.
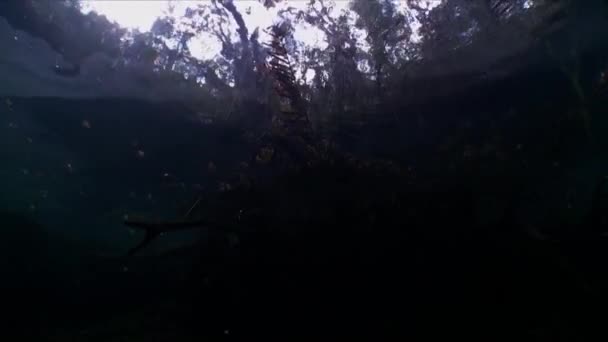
(141,14)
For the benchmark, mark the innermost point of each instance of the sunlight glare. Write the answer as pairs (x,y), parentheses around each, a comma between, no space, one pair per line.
(141,14)
(131,14)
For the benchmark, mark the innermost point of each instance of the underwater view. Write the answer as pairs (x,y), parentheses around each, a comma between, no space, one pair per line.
(303,169)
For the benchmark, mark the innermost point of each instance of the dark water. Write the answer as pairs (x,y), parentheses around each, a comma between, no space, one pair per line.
(479,214)
(377,255)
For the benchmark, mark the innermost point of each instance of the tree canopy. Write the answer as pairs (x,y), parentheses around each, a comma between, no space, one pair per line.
(370,49)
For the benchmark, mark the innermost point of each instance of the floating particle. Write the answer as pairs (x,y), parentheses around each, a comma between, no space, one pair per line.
(25,171)
(86,124)
(44,193)
(125,269)
(29,140)
(203,119)
(12,125)
(468,152)
(603,79)
(140,154)
(264,155)
(224,187)
(211,167)
(149,197)
(233,240)
(15,38)
(249,136)
(69,167)
(32,207)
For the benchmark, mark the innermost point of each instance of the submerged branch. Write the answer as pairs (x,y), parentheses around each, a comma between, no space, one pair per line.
(154,229)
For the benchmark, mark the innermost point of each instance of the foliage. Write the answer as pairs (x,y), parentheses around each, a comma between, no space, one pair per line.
(368,50)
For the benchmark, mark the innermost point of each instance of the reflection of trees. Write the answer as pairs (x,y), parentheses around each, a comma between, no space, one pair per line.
(64,28)
(371,47)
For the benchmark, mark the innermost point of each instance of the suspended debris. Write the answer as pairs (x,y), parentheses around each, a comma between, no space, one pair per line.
(9,104)
(211,167)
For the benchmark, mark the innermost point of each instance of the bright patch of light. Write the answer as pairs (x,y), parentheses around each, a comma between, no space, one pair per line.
(425,4)
(131,14)
(141,14)
(310,74)
(415,25)
(311,36)
(204,46)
